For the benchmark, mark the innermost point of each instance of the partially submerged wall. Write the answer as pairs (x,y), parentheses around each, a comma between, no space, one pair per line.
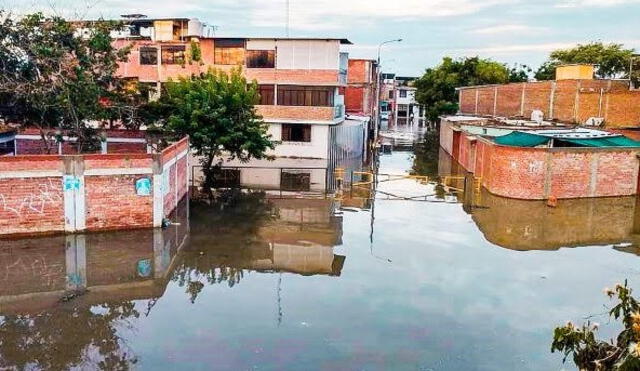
(541,173)
(74,193)
(573,101)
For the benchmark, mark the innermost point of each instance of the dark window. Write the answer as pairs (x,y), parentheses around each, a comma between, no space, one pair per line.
(266,95)
(305,96)
(403,93)
(226,178)
(390,94)
(296,133)
(261,59)
(7,148)
(295,181)
(173,54)
(148,56)
(229,51)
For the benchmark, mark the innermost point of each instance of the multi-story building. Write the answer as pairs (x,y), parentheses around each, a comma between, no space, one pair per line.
(360,94)
(300,79)
(398,99)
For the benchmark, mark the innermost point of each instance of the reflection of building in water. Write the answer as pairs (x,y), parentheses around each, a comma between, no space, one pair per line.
(302,237)
(130,265)
(282,174)
(294,235)
(532,225)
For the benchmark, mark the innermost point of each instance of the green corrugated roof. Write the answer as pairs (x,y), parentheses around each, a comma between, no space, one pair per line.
(617,141)
(521,139)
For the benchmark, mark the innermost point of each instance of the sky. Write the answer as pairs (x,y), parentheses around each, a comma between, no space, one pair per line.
(509,31)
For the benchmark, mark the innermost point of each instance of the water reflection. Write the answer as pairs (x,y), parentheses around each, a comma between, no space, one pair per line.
(64,300)
(532,225)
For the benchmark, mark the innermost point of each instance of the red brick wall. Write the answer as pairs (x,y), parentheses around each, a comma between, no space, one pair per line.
(358,71)
(574,101)
(33,202)
(31,205)
(354,99)
(112,203)
(178,175)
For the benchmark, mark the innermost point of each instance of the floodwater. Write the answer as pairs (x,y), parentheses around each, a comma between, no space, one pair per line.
(430,274)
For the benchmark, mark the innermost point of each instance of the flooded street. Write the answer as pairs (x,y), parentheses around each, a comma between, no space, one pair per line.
(422,274)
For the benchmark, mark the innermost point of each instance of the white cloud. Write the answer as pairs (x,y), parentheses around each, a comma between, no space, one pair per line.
(593,3)
(509,29)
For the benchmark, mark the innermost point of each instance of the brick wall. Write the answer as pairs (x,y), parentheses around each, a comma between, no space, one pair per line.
(47,193)
(296,113)
(354,99)
(29,142)
(572,101)
(540,173)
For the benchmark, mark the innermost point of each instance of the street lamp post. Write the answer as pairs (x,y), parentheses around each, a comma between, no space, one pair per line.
(379,79)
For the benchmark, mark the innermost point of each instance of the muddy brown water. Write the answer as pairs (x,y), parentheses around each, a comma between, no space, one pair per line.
(444,280)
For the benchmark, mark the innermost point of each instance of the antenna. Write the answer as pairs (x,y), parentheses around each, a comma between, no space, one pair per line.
(287,28)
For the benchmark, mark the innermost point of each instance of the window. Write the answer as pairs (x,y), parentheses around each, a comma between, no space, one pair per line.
(261,59)
(267,95)
(295,181)
(390,94)
(305,96)
(226,178)
(173,54)
(403,93)
(148,56)
(296,133)
(7,148)
(229,51)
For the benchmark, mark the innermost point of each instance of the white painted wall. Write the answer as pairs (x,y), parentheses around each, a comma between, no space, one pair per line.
(308,54)
(317,148)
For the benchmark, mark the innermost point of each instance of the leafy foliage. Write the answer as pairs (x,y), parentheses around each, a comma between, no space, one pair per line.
(437,87)
(612,60)
(58,76)
(592,354)
(217,111)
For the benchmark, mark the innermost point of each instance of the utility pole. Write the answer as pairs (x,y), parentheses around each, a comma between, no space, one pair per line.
(379,77)
(288,18)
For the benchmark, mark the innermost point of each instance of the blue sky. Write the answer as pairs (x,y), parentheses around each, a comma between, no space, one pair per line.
(510,31)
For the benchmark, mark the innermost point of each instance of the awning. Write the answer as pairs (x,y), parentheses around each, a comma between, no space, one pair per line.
(521,139)
(524,139)
(618,141)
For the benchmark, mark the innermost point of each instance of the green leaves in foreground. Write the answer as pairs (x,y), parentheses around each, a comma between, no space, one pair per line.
(590,353)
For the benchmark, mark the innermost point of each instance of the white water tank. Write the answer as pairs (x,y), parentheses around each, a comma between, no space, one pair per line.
(194,27)
(537,116)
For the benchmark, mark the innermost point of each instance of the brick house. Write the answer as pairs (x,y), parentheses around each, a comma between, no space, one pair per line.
(301,80)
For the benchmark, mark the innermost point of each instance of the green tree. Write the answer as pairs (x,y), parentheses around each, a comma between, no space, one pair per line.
(437,87)
(612,60)
(590,353)
(56,76)
(217,111)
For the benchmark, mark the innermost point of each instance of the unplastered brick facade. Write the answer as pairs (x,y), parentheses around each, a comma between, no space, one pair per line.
(542,173)
(76,193)
(361,90)
(571,101)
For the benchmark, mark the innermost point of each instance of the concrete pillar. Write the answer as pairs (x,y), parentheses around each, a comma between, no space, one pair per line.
(158,191)
(495,101)
(477,98)
(103,147)
(552,97)
(73,186)
(76,262)
(576,104)
(522,98)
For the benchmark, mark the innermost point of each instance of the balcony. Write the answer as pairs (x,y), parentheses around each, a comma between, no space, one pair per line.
(297,113)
